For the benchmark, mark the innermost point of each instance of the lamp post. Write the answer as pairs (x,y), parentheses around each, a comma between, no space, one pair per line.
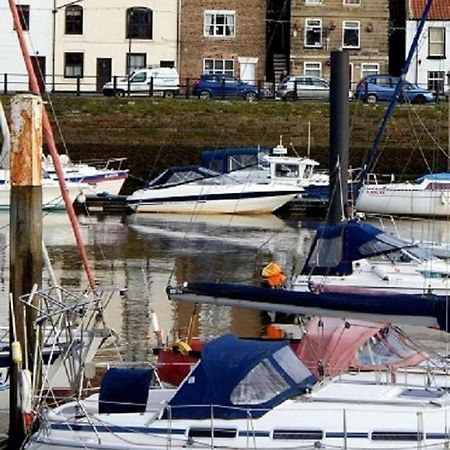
(54,12)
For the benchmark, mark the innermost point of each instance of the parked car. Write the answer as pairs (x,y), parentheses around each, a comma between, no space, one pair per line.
(374,88)
(304,87)
(165,81)
(225,86)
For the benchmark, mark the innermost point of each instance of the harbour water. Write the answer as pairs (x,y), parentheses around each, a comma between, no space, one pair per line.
(142,254)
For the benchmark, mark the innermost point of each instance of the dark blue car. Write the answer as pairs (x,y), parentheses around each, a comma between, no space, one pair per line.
(225,86)
(374,88)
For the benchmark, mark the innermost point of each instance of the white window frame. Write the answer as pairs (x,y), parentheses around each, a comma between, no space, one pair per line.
(318,67)
(216,62)
(211,28)
(310,27)
(367,71)
(345,27)
(313,2)
(438,79)
(440,42)
(351,2)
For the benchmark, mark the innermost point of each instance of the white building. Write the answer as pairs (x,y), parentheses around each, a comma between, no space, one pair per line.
(36,21)
(96,40)
(430,66)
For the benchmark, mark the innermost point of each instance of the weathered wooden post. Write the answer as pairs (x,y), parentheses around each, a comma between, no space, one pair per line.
(25,235)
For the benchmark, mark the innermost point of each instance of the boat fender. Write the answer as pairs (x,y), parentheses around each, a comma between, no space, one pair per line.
(16,352)
(381,273)
(273,275)
(24,398)
(183,347)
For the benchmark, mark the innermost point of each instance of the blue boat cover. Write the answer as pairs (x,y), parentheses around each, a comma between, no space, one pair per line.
(335,247)
(236,378)
(442,176)
(224,160)
(124,390)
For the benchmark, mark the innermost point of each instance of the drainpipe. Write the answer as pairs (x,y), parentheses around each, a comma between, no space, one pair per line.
(178,35)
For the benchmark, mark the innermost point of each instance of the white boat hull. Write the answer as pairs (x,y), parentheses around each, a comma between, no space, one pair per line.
(213,199)
(405,199)
(364,411)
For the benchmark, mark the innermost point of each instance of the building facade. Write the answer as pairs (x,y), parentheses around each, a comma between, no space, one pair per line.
(36,22)
(95,40)
(223,36)
(359,26)
(430,66)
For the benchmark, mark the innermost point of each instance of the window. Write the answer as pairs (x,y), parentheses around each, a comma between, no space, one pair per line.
(313,2)
(170,64)
(219,23)
(396,436)
(436,42)
(74,19)
(24,16)
(224,66)
(369,69)
(139,23)
(436,81)
(312,69)
(313,33)
(135,61)
(352,2)
(292,434)
(73,65)
(350,34)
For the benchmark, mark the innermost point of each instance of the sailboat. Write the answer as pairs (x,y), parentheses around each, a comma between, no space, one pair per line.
(426,196)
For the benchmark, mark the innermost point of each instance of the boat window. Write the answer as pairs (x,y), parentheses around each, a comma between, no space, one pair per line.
(291,364)
(215,432)
(286,170)
(308,171)
(383,243)
(422,393)
(385,347)
(260,385)
(396,436)
(326,253)
(313,435)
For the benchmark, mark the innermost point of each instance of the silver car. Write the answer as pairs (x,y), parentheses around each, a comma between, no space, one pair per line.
(307,87)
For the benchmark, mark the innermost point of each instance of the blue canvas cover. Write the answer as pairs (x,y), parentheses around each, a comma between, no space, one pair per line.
(335,247)
(235,377)
(124,390)
(442,176)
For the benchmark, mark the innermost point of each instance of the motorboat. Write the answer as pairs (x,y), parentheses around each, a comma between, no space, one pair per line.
(107,177)
(194,189)
(427,196)
(246,394)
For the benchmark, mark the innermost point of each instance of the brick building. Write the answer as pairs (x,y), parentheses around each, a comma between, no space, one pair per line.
(320,26)
(223,36)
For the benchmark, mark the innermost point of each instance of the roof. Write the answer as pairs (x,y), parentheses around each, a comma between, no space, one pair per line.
(440,10)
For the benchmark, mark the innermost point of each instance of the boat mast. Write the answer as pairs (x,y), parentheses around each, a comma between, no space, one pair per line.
(371,156)
(48,133)
(339,125)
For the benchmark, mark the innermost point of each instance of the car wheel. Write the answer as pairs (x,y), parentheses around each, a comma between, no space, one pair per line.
(419,99)
(168,94)
(120,93)
(371,99)
(250,96)
(204,95)
(290,96)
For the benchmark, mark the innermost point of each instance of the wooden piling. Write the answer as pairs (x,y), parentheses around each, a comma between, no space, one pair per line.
(25,234)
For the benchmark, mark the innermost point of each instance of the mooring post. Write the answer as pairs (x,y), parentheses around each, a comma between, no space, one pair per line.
(25,238)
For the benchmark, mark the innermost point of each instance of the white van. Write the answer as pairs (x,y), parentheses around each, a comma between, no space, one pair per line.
(165,82)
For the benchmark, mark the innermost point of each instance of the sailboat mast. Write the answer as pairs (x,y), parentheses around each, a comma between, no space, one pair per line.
(48,133)
(339,125)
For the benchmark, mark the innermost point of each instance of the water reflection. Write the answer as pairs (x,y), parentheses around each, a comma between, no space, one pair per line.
(145,253)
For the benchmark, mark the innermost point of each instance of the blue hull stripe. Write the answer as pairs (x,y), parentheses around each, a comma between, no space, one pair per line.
(211,197)
(242,433)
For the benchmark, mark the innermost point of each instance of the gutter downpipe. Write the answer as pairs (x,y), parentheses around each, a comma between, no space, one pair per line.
(48,133)
(370,159)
